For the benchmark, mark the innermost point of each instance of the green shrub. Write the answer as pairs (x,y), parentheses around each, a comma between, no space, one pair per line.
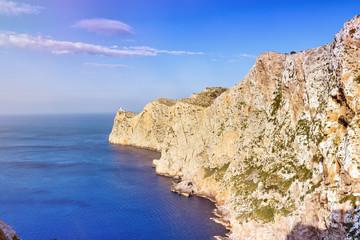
(352,31)
(350,198)
(357,79)
(277,101)
(265,213)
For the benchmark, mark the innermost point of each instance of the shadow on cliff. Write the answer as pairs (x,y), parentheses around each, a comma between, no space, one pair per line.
(336,230)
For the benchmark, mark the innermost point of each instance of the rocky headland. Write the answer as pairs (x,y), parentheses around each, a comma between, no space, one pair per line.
(279,152)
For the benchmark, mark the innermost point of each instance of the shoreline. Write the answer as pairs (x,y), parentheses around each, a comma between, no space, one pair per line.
(220,217)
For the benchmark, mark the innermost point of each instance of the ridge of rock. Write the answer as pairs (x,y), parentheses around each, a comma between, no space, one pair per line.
(279,152)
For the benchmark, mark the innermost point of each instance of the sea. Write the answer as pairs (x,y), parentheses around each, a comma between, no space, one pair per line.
(61,179)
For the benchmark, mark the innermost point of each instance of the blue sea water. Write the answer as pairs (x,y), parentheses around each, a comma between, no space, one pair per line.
(61,179)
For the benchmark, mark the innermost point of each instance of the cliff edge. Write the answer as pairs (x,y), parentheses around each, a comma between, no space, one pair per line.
(279,152)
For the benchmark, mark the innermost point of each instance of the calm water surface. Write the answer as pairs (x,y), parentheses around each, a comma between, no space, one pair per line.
(60,178)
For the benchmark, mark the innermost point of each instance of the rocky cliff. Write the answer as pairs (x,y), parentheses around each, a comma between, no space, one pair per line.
(7,233)
(279,152)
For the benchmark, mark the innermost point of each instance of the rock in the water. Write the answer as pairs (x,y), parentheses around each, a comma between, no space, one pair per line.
(7,233)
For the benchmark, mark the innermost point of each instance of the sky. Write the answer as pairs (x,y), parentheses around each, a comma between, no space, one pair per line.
(96,56)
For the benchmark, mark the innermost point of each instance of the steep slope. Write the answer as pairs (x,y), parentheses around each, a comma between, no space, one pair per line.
(279,152)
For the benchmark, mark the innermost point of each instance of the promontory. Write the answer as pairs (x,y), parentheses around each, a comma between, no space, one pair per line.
(279,152)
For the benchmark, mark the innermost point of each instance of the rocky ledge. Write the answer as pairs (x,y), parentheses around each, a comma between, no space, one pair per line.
(279,152)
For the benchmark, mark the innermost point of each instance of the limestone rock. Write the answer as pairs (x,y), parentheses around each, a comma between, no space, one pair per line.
(279,152)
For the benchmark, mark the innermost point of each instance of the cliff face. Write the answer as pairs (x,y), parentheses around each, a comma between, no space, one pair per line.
(279,152)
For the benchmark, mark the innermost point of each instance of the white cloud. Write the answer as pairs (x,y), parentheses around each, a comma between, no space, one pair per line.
(145,48)
(11,8)
(104,26)
(247,55)
(39,43)
(241,57)
(106,65)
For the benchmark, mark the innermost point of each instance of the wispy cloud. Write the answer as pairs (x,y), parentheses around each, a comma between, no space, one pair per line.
(104,26)
(241,56)
(39,43)
(247,55)
(106,65)
(150,49)
(11,8)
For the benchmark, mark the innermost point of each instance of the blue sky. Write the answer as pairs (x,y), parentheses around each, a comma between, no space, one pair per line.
(89,56)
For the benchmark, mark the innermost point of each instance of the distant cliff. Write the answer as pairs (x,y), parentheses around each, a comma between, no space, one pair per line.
(7,233)
(279,152)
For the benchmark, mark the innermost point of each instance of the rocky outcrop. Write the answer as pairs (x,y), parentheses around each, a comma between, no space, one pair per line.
(279,152)
(7,233)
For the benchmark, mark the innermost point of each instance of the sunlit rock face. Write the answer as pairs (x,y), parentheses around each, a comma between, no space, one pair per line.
(279,152)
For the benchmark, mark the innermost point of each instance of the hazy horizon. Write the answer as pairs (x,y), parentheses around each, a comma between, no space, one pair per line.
(65,57)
